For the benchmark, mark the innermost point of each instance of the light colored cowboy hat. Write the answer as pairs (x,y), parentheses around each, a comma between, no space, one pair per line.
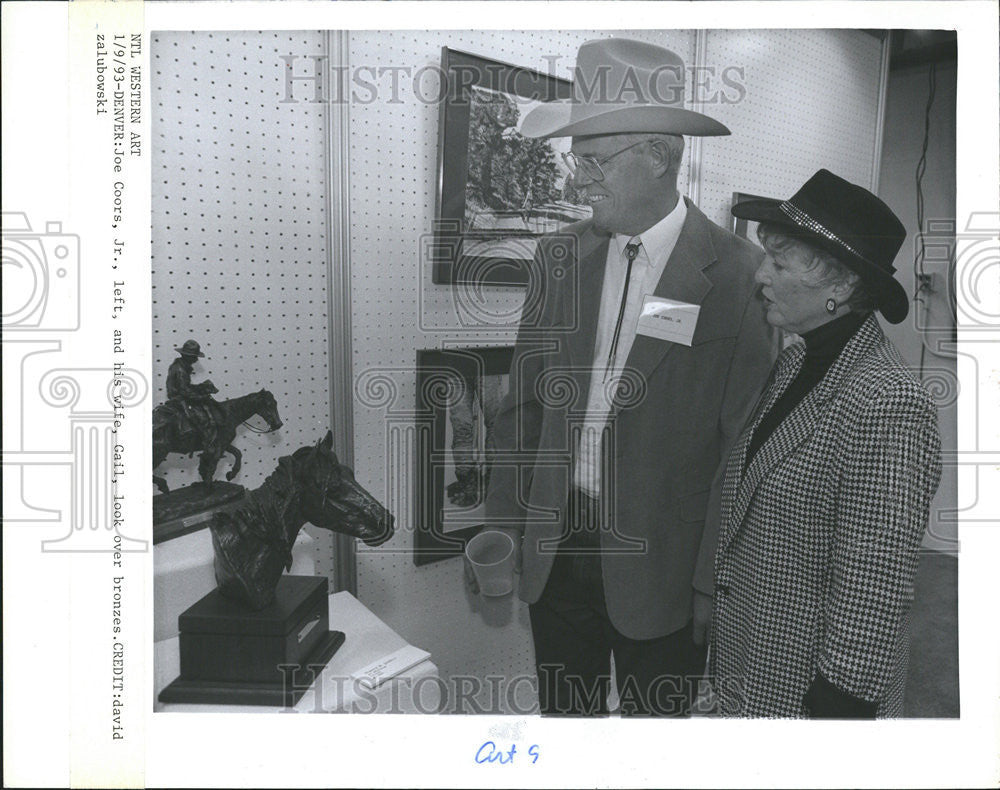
(622,86)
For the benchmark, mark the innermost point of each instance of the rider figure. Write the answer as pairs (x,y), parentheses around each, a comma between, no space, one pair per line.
(193,401)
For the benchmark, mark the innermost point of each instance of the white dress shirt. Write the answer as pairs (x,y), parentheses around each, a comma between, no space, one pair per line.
(657,243)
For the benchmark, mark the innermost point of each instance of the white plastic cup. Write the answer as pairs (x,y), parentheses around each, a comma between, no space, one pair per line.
(491,555)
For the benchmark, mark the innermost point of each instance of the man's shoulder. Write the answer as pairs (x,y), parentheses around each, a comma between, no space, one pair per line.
(734,259)
(736,247)
(730,249)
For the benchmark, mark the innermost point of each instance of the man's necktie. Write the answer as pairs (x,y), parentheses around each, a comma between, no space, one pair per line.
(631,251)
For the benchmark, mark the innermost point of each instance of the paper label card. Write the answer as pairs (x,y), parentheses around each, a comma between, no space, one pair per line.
(388,667)
(668,319)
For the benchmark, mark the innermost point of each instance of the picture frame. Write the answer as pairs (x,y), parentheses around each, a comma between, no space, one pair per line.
(459,392)
(741,227)
(497,191)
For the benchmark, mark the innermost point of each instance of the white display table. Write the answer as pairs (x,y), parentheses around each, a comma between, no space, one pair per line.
(368,639)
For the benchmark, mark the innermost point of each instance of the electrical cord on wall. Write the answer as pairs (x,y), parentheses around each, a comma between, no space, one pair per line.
(923,282)
(918,261)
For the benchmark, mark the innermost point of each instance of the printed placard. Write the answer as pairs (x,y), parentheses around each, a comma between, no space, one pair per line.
(668,319)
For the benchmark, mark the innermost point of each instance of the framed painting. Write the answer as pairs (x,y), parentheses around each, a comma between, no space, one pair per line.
(498,191)
(458,397)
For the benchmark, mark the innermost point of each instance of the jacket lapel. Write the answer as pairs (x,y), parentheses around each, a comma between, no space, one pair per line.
(583,305)
(683,281)
(796,427)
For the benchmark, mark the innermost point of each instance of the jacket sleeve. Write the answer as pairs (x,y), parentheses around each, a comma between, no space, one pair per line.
(889,475)
(518,424)
(753,357)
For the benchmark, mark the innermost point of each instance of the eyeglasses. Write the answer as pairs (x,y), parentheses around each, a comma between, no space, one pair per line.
(591,166)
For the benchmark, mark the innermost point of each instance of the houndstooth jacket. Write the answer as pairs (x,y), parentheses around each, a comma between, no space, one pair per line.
(819,536)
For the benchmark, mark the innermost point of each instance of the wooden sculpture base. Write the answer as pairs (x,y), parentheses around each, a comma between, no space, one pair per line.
(233,656)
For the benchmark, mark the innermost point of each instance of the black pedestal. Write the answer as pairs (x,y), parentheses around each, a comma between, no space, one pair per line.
(233,656)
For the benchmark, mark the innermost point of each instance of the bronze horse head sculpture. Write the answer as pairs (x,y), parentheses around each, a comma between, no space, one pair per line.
(253,544)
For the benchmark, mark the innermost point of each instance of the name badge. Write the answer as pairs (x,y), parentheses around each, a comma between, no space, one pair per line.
(667,319)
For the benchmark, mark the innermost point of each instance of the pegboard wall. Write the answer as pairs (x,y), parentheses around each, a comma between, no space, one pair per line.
(810,100)
(239,237)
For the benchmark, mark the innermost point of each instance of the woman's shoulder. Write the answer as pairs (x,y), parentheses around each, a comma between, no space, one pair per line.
(879,380)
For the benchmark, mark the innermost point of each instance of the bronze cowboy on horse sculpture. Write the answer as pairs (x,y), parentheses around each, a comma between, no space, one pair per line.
(191,420)
(253,542)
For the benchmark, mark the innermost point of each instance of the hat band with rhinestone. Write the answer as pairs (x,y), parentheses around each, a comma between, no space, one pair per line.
(803,220)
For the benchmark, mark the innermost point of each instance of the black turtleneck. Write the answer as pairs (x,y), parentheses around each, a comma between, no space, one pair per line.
(823,346)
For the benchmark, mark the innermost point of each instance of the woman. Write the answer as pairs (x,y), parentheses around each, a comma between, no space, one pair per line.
(826,493)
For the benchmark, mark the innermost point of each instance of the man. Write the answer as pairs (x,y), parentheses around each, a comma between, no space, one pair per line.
(192,401)
(636,362)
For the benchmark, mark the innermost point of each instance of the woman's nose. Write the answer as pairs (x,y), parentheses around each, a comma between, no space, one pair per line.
(763,272)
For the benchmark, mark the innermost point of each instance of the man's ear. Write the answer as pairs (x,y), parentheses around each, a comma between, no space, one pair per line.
(662,156)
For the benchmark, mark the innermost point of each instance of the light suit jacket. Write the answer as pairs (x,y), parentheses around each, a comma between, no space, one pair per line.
(677,410)
(819,536)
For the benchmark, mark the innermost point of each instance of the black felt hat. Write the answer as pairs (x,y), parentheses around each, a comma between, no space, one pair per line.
(849,222)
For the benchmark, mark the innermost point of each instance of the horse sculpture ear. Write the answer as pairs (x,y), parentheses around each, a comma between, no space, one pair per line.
(327,443)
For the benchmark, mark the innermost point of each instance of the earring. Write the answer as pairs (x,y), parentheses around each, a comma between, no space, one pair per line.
(831,306)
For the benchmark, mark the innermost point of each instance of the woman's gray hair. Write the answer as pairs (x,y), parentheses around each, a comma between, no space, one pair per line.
(829,269)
